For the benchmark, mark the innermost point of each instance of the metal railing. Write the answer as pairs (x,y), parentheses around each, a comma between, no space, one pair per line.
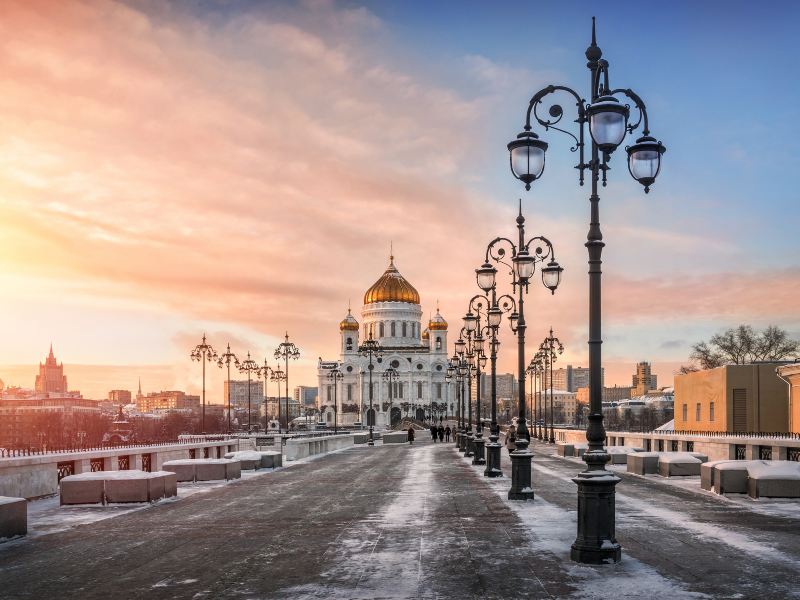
(22,452)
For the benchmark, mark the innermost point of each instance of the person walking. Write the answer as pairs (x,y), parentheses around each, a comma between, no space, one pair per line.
(410,435)
(441,433)
(447,433)
(433,432)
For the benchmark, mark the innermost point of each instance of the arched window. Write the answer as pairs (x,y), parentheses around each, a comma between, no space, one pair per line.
(438,391)
(394,332)
(349,392)
(419,390)
(329,393)
(404,329)
(400,390)
(380,328)
(438,342)
(349,343)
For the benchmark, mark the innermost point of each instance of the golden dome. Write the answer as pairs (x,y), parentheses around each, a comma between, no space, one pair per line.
(391,287)
(426,335)
(437,323)
(349,323)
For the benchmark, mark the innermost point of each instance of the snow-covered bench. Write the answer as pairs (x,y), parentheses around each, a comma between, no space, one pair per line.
(13,517)
(775,479)
(708,473)
(204,469)
(621,454)
(250,459)
(565,449)
(271,459)
(680,464)
(102,487)
(396,437)
(643,463)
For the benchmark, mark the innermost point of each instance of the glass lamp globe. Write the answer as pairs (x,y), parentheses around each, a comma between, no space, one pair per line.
(513,319)
(485,276)
(644,160)
(608,120)
(524,265)
(470,321)
(526,155)
(460,344)
(495,316)
(551,275)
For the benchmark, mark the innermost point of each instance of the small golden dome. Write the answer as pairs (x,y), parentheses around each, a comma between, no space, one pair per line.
(391,287)
(349,323)
(437,323)
(426,335)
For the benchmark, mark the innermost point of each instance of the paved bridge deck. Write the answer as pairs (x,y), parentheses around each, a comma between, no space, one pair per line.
(411,522)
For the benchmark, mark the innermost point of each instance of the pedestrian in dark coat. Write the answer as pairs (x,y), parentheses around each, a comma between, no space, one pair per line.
(433,432)
(447,433)
(511,440)
(441,433)
(410,435)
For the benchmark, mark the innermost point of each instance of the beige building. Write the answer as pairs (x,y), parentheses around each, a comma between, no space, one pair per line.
(733,398)
(610,394)
(169,400)
(643,380)
(565,405)
(791,375)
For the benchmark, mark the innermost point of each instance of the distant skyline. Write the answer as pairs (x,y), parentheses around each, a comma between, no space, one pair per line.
(240,168)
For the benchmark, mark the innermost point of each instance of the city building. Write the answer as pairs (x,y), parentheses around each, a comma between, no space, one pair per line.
(610,394)
(564,405)
(732,398)
(36,420)
(305,395)
(643,380)
(167,400)
(51,378)
(571,379)
(392,316)
(120,397)
(239,396)
(791,375)
(506,387)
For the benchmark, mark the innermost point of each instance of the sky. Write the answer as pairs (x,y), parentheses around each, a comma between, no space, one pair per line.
(241,168)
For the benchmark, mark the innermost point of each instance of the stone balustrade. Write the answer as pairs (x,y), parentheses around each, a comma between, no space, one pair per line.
(297,448)
(39,475)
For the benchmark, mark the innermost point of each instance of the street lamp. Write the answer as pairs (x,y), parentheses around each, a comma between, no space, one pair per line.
(336,376)
(250,367)
(279,375)
(269,374)
(203,352)
(227,359)
(524,256)
(391,374)
(549,346)
(478,303)
(285,351)
(368,349)
(608,122)
(539,363)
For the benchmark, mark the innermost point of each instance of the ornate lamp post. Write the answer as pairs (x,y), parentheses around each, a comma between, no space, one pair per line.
(461,374)
(550,346)
(279,375)
(203,352)
(539,374)
(336,376)
(227,359)
(475,331)
(250,367)
(608,124)
(285,351)
(524,256)
(268,374)
(391,374)
(369,349)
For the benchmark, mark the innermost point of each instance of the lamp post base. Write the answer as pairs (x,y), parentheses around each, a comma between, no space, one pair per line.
(521,486)
(469,451)
(493,450)
(371,441)
(480,447)
(462,442)
(596,543)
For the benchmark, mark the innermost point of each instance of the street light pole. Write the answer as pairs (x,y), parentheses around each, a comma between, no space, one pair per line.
(203,352)
(249,366)
(226,359)
(287,350)
(390,374)
(336,375)
(368,349)
(524,256)
(550,345)
(608,123)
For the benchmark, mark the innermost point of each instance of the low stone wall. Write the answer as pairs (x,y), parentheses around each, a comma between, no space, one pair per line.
(13,517)
(297,448)
(36,476)
(715,447)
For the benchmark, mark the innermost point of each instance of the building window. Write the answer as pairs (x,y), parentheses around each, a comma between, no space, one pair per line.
(380,329)
(438,343)
(329,392)
(685,413)
(711,412)
(404,329)
(394,330)
(349,392)
(438,391)
(419,390)
(349,343)
(400,390)
(697,412)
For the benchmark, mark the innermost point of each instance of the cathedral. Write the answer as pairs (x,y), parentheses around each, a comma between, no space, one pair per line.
(392,317)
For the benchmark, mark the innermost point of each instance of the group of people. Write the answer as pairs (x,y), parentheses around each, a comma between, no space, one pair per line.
(438,434)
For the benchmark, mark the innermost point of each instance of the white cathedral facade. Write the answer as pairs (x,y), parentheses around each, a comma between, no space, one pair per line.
(392,317)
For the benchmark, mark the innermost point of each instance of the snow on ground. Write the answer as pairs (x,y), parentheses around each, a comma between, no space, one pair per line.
(552,529)
(47,516)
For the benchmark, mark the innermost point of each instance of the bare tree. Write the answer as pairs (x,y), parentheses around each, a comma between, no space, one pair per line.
(743,345)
